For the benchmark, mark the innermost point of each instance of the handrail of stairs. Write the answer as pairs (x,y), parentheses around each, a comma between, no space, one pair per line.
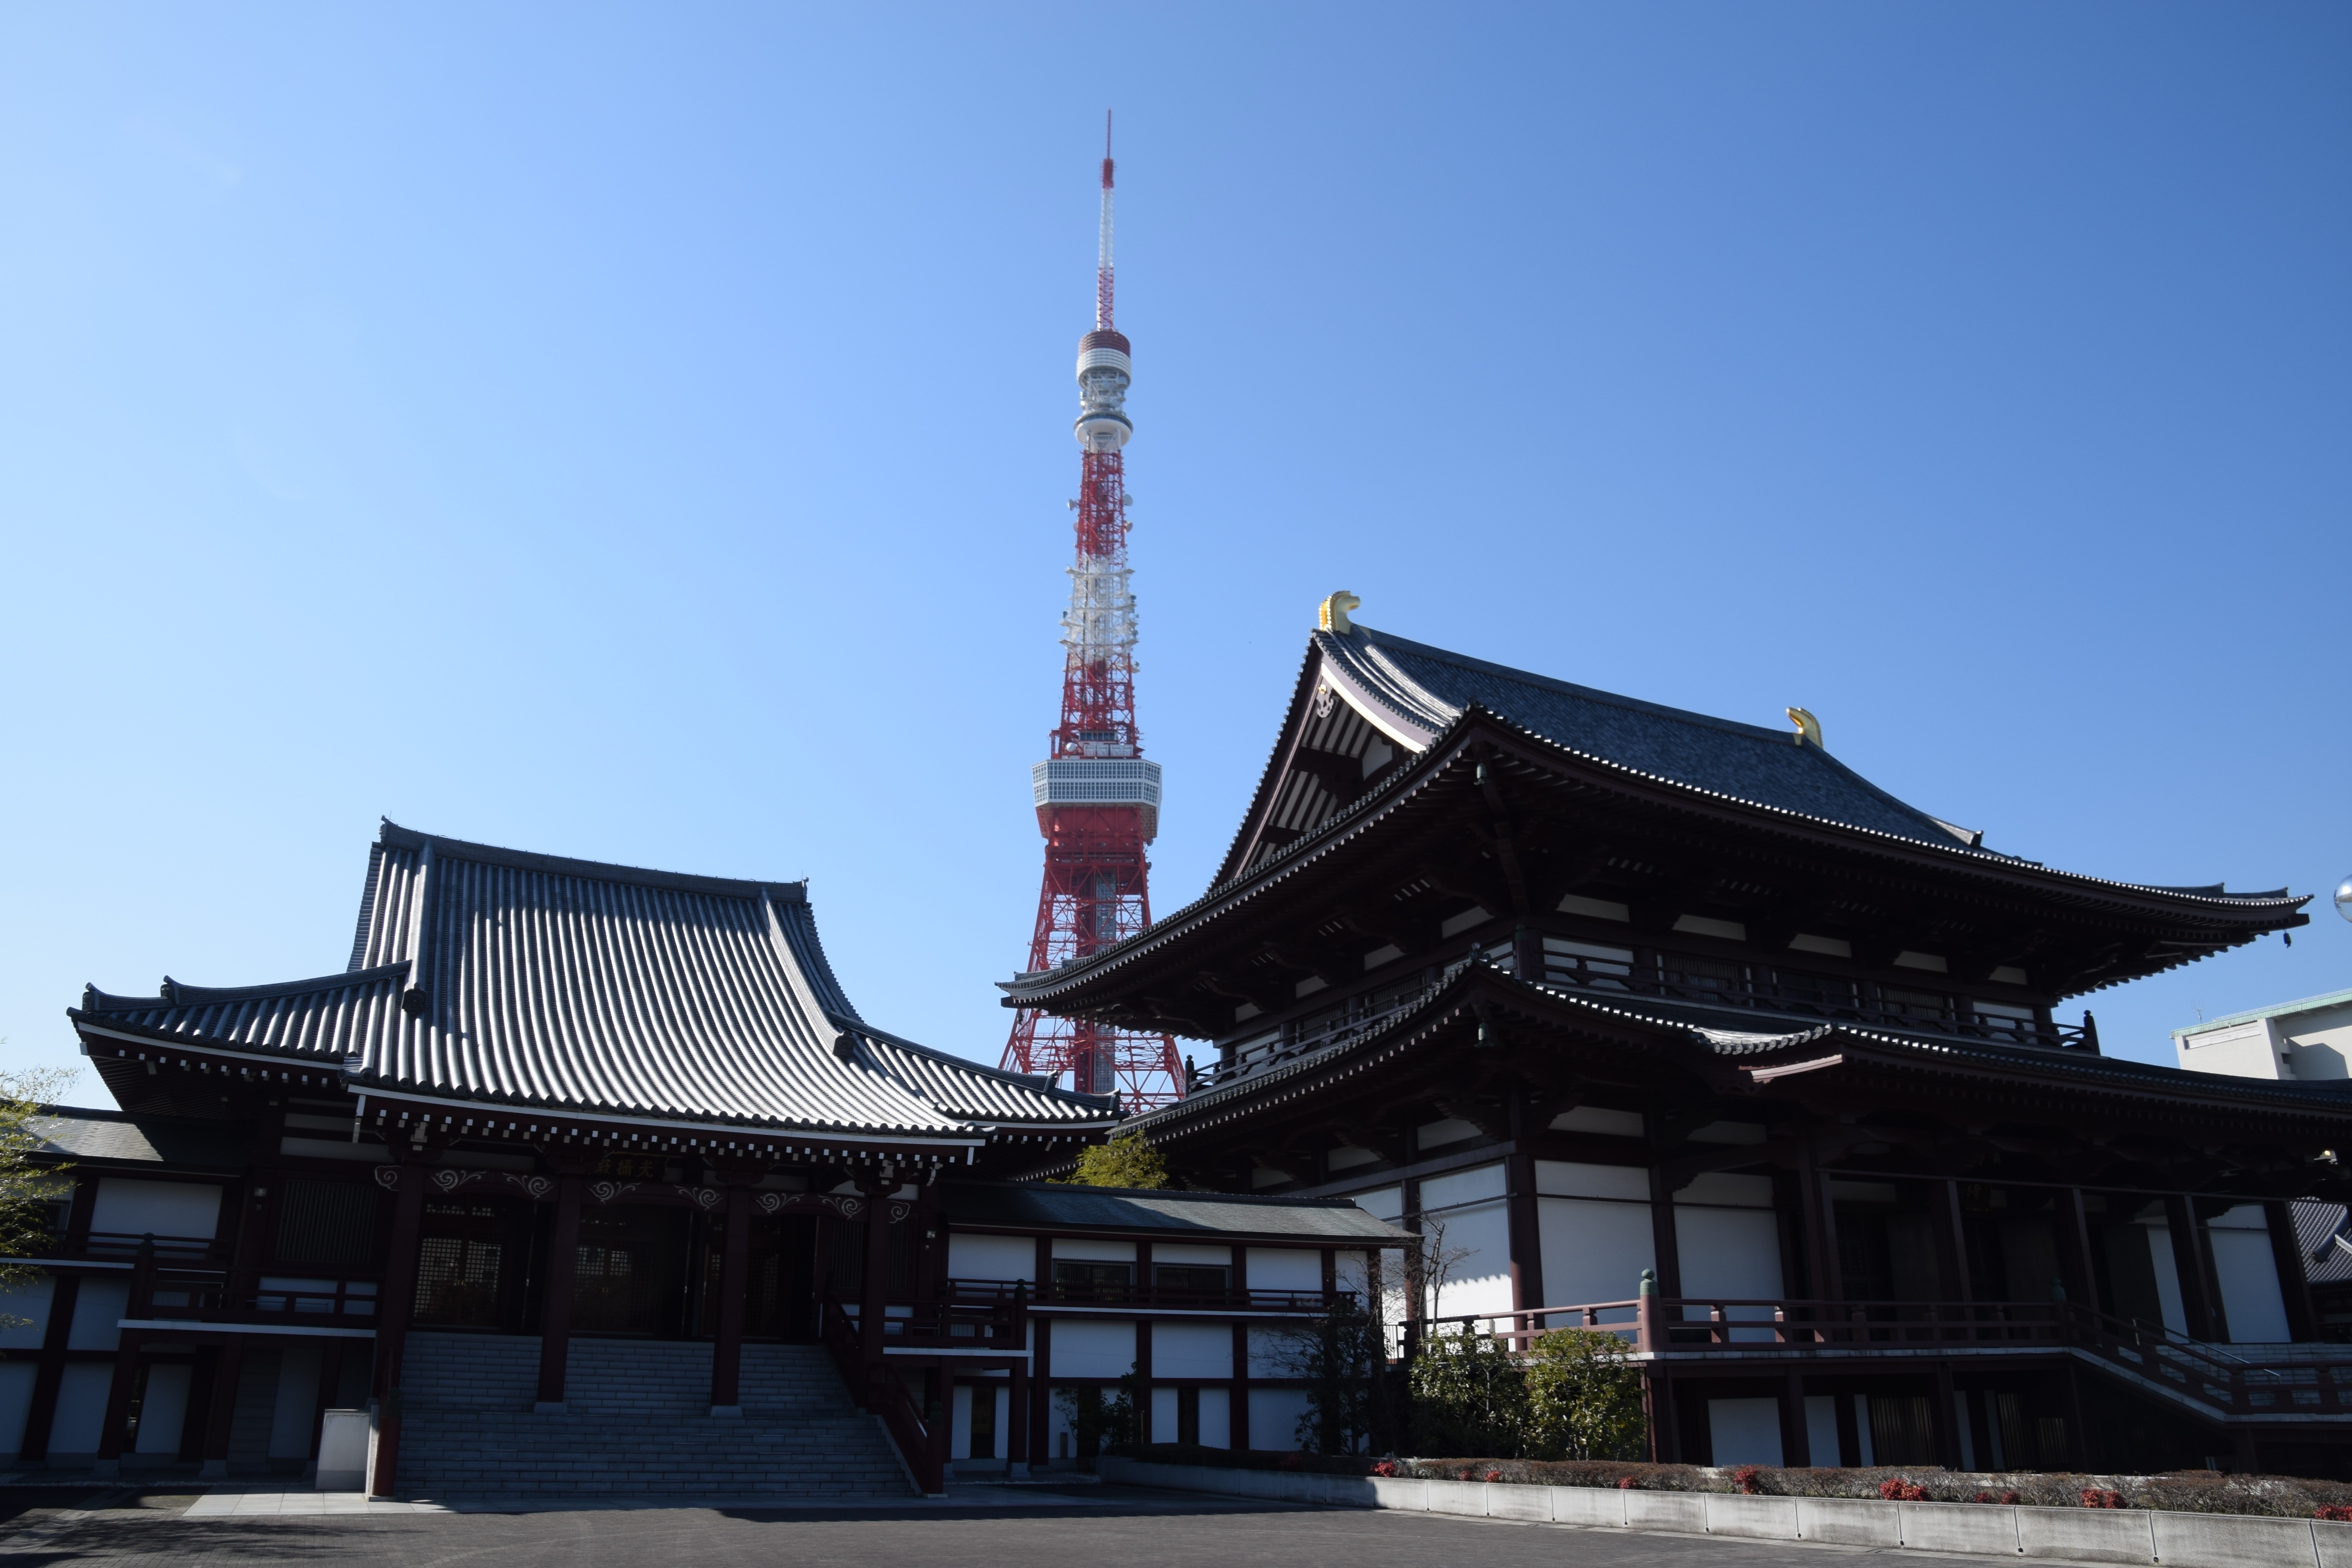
(884,1396)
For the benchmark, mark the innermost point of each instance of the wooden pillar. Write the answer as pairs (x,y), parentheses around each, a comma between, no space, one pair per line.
(2072,1220)
(1238,1436)
(734,1266)
(2295,1285)
(1665,1431)
(1848,1425)
(221,1409)
(330,1388)
(1016,1419)
(555,1304)
(874,1294)
(1952,1241)
(1947,1418)
(395,1304)
(1041,1393)
(1796,1437)
(1827,1281)
(65,1295)
(117,1404)
(2081,1451)
(1525,1232)
(1663,1241)
(2189,1263)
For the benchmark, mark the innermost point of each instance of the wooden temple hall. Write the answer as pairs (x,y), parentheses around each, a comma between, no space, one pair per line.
(1652,1020)
(582,1178)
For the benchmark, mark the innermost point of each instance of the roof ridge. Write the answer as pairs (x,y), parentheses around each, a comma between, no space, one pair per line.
(178,994)
(393,834)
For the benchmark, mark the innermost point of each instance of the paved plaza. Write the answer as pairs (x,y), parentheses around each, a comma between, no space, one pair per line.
(981,1528)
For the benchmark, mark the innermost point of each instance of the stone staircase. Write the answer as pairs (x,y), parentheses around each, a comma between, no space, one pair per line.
(637,1422)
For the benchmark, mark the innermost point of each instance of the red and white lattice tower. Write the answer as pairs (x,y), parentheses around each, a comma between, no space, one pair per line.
(1097,798)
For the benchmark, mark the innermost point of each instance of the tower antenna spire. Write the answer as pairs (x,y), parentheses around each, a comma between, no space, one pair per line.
(1097,799)
(1102,248)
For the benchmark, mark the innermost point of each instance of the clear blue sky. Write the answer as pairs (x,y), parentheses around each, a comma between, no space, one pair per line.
(642,433)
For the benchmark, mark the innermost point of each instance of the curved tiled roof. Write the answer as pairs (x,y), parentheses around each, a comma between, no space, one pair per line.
(1430,688)
(523,980)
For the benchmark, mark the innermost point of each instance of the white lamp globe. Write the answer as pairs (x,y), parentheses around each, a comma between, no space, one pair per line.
(2344,897)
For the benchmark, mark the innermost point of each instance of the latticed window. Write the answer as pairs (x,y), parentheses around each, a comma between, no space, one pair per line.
(458,1281)
(326,1222)
(1704,979)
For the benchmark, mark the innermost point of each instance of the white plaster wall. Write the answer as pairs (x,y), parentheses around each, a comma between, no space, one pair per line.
(1090,1250)
(1092,1347)
(296,1403)
(1273,1352)
(1729,1253)
(98,1312)
(1457,1187)
(1216,1418)
(1274,1415)
(1746,1431)
(31,1300)
(16,1403)
(1821,1427)
(2242,1261)
(1566,1179)
(1283,1269)
(1593,1251)
(998,1258)
(1191,1350)
(162,1208)
(164,1408)
(959,1432)
(2168,1276)
(1163,1405)
(1191,1252)
(81,1405)
(1480,1280)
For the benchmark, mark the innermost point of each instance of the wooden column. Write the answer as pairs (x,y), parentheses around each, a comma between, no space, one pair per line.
(734,1266)
(2295,1285)
(1237,1432)
(1821,1229)
(2077,1272)
(1796,1437)
(221,1409)
(1947,1418)
(1525,1229)
(1016,1400)
(2189,1263)
(395,1304)
(1662,1238)
(1665,1432)
(142,1304)
(874,1294)
(1952,1241)
(555,1303)
(65,1295)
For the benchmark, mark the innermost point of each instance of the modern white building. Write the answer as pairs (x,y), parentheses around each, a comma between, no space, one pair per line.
(2309,1040)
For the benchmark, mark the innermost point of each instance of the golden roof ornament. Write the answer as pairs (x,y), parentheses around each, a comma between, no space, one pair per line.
(1808,727)
(1332,615)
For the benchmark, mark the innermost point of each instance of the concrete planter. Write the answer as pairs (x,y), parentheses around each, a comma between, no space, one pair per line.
(1987,1530)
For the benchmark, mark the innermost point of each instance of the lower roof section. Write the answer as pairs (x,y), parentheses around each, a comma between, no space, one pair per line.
(1225,1216)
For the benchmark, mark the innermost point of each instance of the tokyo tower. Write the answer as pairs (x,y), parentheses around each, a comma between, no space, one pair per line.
(1097,799)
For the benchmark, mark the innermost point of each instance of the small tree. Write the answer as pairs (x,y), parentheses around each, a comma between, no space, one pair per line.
(1469,1396)
(1096,1423)
(1342,1358)
(27,1190)
(1583,1398)
(1123,1162)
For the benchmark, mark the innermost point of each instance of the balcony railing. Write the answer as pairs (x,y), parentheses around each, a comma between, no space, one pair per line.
(1142,1298)
(2313,1380)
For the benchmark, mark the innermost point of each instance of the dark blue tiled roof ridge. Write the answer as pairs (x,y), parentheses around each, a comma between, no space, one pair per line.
(568,987)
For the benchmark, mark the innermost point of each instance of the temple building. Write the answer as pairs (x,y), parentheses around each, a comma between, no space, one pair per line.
(584,1178)
(1644,1019)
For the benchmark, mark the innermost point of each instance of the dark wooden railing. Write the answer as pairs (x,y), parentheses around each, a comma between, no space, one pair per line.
(2312,1380)
(923,1445)
(1166,1297)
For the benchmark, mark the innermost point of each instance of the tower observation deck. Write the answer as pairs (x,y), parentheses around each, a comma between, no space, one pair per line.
(1097,797)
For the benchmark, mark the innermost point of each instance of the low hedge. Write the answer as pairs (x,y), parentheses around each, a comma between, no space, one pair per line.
(2178,1491)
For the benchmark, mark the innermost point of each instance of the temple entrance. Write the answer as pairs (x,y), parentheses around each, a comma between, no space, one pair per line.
(780,1298)
(473,1264)
(630,1273)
